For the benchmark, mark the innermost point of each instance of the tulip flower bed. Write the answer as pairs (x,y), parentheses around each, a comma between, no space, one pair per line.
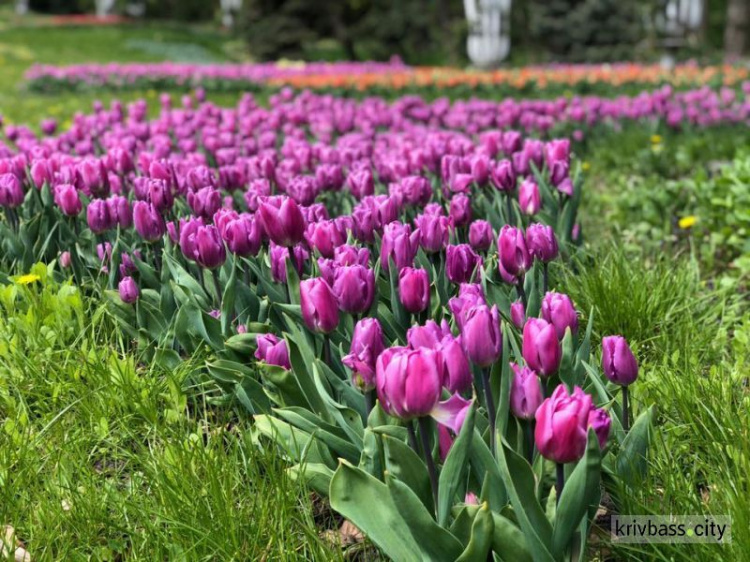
(373,284)
(383,78)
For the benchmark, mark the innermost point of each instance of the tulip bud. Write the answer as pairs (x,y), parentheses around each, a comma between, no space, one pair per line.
(65,260)
(120,211)
(282,220)
(128,290)
(351,255)
(279,255)
(469,295)
(414,289)
(618,362)
(272,350)
(557,150)
(481,235)
(462,264)
(354,288)
(541,348)
(67,198)
(529,198)
(460,210)
(541,242)
(209,247)
(558,310)
(562,425)
(456,368)
(481,335)
(525,392)
(601,422)
(518,314)
(160,195)
(513,254)
(148,222)
(367,345)
(361,183)
(243,235)
(319,308)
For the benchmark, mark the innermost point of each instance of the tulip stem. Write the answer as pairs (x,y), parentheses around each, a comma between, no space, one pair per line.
(560,483)
(545,276)
(370,401)
(217,288)
(424,435)
(509,201)
(529,430)
(490,404)
(625,408)
(521,292)
(412,437)
(327,349)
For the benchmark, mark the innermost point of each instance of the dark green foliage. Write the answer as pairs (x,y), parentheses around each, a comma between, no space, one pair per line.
(586,30)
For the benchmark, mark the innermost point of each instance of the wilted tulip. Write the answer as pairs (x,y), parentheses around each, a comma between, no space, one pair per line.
(462,264)
(618,362)
(541,242)
(601,422)
(354,288)
(558,310)
(320,310)
(541,348)
(562,425)
(414,289)
(367,345)
(272,350)
(529,198)
(128,290)
(512,251)
(480,235)
(282,220)
(481,335)
(525,392)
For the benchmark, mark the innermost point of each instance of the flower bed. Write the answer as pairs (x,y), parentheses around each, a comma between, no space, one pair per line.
(372,283)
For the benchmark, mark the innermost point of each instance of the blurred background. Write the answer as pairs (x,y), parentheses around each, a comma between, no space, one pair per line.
(439,32)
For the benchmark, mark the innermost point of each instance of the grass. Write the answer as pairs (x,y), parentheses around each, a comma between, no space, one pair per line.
(104,458)
(692,344)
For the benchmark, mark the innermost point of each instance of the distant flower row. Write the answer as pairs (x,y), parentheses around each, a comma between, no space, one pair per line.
(374,76)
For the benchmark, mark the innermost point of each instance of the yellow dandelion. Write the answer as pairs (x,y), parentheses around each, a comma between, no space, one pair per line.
(28,279)
(655,139)
(688,222)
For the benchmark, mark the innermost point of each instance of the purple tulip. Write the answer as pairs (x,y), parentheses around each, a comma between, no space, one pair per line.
(541,242)
(243,235)
(148,222)
(351,255)
(414,289)
(399,245)
(529,198)
(513,254)
(354,288)
(128,290)
(67,198)
(481,235)
(93,177)
(503,176)
(325,236)
(11,191)
(282,220)
(65,260)
(367,345)
(279,256)
(562,425)
(469,295)
(518,314)
(541,348)
(618,362)
(428,335)
(320,310)
(460,209)
(456,368)
(462,264)
(558,310)
(525,393)
(481,335)
(204,202)
(160,195)
(209,247)
(434,232)
(557,150)
(272,350)
(98,216)
(601,422)
(120,211)
(361,183)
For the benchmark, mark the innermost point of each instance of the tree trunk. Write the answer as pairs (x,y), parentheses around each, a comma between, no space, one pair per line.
(736,31)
